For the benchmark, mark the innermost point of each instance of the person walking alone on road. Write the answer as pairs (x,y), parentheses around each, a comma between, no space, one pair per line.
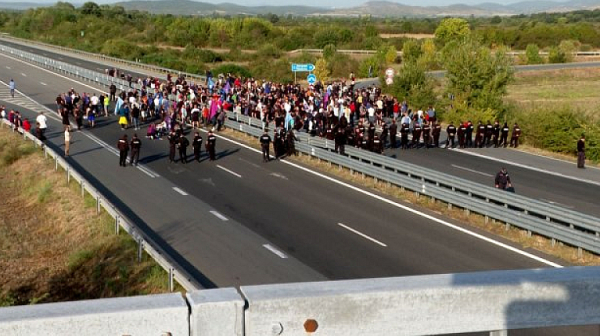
(67,141)
(265,143)
(581,152)
(502,180)
(136,145)
(12,87)
(42,125)
(123,147)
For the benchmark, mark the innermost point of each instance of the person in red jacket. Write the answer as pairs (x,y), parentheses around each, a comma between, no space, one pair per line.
(26,125)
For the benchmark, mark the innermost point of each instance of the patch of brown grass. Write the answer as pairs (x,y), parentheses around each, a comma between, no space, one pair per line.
(514,234)
(55,248)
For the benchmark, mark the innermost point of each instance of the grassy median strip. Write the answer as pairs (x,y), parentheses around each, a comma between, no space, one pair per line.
(53,245)
(512,233)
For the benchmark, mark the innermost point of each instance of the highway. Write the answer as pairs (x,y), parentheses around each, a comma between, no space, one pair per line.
(298,212)
(239,221)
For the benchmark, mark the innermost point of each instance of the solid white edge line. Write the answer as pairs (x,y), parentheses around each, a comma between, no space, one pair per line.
(520,165)
(218,215)
(550,158)
(145,170)
(275,251)
(362,235)
(180,191)
(414,211)
(229,171)
(472,170)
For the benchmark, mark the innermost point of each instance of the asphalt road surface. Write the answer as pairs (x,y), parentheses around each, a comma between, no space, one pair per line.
(240,221)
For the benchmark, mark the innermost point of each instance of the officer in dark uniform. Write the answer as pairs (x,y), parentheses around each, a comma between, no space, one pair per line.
(404,136)
(468,141)
(462,135)
(123,147)
(377,145)
(350,136)
(435,132)
(384,134)
(516,133)
(329,133)
(489,130)
(451,130)
(290,141)
(426,130)
(371,133)
(393,132)
(340,141)
(173,139)
(277,143)
(197,145)
(496,134)
(183,144)
(136,145)
(416,135)
(504,135)
(211,142)
(265,143)
(479,135)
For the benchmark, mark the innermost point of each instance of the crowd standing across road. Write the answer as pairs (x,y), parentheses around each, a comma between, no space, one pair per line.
(362,118)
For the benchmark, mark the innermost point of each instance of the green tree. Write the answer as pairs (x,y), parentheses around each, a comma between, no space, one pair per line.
(532,54)
(452,29)
(568,47)
(329,52)
(428,56)
(555,55)
(391,55)
(477,76)
(413,83)
(90,8)
(322,70)
(411,51)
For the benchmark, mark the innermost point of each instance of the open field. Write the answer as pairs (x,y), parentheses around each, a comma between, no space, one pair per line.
(576,89)
(53,245)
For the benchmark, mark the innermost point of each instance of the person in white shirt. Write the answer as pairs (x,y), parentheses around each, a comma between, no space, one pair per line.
(42,122)
(67,140)
(94,101)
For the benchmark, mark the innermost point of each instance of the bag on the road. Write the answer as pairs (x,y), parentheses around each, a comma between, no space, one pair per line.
(510,189)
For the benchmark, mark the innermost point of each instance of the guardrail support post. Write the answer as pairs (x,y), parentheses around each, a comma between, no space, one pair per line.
(171,280)
(449,206)
(82,189)
(56,163)
(97,205)
(467,212)
(117,225)
(45,151)
(499,333)
(579,252)
(68,175)
(507,227)
(487,219)
(553,242)
(140,249)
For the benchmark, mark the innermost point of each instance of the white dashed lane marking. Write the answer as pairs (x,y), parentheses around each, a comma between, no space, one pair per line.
(218,215)
(362,235)
(229,171)
(275,251)
(180,191)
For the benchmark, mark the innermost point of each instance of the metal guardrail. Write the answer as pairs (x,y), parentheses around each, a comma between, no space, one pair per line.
(139,65)
(121,221)
(559,224)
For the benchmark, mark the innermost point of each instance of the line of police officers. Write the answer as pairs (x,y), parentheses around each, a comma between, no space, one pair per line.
(283,144)
(485,135)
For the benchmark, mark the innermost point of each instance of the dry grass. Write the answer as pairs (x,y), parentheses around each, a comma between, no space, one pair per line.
(521,237)
(574,88)
(53,245)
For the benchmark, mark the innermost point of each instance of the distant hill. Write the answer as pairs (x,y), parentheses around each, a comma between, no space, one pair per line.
(378,8)
(186,7)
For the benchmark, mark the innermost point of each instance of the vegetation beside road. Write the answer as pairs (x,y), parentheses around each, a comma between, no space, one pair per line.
(53,245)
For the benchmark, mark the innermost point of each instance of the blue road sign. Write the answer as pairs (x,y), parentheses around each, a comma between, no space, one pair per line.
(303,67)
(312,79)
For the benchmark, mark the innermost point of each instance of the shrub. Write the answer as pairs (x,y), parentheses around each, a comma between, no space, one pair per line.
(234,69)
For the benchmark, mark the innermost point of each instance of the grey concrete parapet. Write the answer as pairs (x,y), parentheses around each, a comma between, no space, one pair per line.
(434,304)
(160,315)
(216,312)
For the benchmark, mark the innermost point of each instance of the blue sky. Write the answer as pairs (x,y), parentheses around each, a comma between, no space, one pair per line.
(324,3)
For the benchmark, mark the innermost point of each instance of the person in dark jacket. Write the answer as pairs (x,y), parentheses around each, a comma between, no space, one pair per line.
(502,180)
(136,145)
(183,144)
(265,143)
(581,152)
(123,146)
(211,142)
(173,139)
(393,132)
(197,145)
(290,142)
